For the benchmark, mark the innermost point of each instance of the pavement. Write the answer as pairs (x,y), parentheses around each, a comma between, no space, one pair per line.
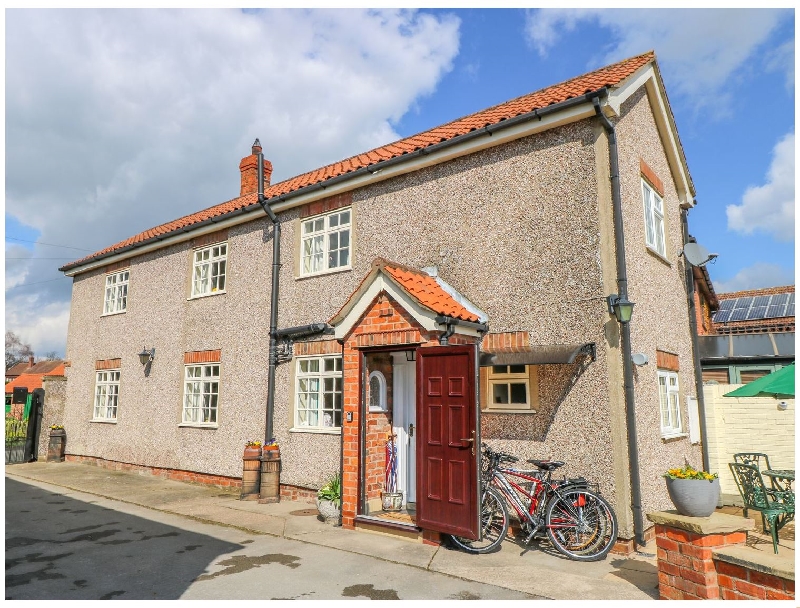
(535,570)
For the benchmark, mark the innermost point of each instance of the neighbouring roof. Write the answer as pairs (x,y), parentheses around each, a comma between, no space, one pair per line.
(723,348)
(32,378)
(755,309)
(609,76)
(422,287)
(17,369)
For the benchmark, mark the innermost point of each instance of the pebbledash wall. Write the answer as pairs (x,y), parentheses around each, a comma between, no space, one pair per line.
(524,230)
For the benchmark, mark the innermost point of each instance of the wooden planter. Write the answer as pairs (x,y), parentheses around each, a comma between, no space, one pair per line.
(251,473)
(57,445)
(270,475)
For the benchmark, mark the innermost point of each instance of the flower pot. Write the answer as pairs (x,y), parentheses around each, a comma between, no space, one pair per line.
(694,497)
(57,445)
(328,511)
(391,501)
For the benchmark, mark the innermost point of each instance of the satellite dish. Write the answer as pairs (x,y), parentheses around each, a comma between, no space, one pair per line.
(639,359)
(697,255)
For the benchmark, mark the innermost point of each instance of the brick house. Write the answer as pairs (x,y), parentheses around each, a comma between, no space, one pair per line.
(463,271)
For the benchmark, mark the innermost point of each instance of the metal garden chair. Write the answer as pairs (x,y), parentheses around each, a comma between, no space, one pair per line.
(758,459)
(776,507)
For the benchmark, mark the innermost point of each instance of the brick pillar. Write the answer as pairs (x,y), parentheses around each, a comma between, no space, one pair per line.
(685,547)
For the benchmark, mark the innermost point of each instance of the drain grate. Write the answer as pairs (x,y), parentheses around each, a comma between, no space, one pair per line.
(304,512)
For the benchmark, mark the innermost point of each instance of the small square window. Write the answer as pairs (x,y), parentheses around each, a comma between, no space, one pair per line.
(509,388)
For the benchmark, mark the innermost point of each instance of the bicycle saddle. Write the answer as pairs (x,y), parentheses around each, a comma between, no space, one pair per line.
(547,465)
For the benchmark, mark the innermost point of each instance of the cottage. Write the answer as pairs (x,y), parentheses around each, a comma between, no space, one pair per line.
(408,303)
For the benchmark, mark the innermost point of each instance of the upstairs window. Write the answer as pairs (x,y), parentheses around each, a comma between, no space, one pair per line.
(325,242)
(208,272)
(669,399)
(116,296)
(653,219)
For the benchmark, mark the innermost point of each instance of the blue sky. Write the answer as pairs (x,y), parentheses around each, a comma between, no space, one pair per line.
(117,121)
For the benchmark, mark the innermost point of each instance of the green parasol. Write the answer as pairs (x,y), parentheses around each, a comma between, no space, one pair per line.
(779,384)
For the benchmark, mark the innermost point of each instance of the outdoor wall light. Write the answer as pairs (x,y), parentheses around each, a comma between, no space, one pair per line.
(411,355)
(146,356)
(621,308)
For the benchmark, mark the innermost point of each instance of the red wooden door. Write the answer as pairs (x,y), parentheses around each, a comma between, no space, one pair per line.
(447,493)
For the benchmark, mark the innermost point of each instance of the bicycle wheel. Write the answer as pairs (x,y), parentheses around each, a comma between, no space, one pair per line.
(581,524)
(494,525)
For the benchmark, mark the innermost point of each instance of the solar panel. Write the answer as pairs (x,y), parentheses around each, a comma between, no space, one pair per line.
(779,298)
(761,300)
(791,298)
(790,310)
(776,311)
(722,316)
(756,312)
(738,314)
(726,304)
(743,303)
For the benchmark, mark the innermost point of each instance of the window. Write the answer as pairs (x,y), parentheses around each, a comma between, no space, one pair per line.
(509,387)
(653,219)
(106,394)
(208,274)
(325,242)
(319,393)
(377,392)
(670,404)
(116,299)
(201,394)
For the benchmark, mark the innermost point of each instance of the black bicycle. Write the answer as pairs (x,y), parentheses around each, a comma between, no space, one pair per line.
(570,512)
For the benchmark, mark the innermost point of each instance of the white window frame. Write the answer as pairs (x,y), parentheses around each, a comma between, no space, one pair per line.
(115,300)
(209,269)
(508,378)
(669,404)
(313,382)
(316,236)
(653,220)
(201,394)
(379,404)
(106,395)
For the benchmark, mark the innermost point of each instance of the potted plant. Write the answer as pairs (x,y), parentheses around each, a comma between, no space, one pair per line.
(58,443)
(329,500)
(693,492)
(252,450)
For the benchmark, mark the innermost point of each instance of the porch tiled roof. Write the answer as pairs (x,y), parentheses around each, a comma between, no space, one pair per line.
(608,76)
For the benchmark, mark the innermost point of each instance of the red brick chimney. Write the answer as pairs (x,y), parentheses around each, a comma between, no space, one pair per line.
(249,169)
(30,361)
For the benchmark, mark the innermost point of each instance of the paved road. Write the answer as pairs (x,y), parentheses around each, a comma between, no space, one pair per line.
(84,547)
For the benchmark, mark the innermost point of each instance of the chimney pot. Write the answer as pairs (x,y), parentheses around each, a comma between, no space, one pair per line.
(249,170)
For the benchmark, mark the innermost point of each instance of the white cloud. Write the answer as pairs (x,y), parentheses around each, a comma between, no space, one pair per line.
(698,50)
(769,208)
(119,120)
(757,276)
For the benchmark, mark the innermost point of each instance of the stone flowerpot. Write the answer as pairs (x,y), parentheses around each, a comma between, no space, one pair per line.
(57,445)
(694,497)
(328,511)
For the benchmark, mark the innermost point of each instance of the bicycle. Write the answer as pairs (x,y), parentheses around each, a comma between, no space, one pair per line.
(579,522)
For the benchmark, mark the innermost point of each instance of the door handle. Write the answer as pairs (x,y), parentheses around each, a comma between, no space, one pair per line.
(470,441)
(410,430)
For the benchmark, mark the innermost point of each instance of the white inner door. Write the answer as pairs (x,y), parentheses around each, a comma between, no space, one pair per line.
(404,420)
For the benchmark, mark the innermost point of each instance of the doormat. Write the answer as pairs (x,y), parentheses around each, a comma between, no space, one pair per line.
(396,516)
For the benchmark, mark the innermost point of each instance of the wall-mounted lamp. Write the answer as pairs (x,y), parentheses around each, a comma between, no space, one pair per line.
(146,356)
(622,309)
(411,355)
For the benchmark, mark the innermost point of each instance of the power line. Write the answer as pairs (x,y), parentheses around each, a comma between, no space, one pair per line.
(36,283)
(72,257)
(11,238)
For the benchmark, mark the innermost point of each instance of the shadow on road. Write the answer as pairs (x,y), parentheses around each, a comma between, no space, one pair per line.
(61,548)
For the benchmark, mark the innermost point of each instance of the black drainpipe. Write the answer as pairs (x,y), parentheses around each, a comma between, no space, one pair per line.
(625,329)
(450,327)
(698,372)
(273,307)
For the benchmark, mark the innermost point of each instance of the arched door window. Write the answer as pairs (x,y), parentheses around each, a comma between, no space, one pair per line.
(377,392)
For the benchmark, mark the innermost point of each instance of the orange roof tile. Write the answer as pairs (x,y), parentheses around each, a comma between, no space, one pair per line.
(608,76)
(33,379)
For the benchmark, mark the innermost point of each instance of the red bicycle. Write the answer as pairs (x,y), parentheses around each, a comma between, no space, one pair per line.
(570,513)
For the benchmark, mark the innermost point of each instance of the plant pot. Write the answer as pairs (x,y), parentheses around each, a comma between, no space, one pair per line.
(328,511)
(251,473)
(57,445)
(694,497)
(391,501)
